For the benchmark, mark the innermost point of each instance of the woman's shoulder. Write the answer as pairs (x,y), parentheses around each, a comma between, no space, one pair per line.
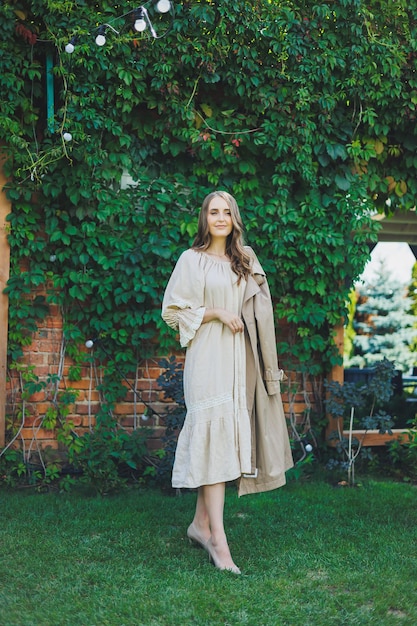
(250,251)
(188,259)
(256,266)
(188,256)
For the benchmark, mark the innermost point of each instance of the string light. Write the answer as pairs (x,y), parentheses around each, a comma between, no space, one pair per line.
(141,23)
(70,47)
(101,36)
(163,6)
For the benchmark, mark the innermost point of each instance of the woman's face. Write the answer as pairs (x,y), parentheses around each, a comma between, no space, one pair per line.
(219,218)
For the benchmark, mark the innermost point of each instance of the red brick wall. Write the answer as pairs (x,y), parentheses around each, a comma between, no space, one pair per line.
(47,356)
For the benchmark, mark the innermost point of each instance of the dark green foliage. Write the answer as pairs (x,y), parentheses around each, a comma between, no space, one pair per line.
(403,454)
(13,470)
(304,111)
(171,383)
(110,457)
(366,399)
(106,458)
(360,406)
(295,109)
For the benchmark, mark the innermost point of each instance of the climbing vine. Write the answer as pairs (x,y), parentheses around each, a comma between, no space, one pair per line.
(304,111)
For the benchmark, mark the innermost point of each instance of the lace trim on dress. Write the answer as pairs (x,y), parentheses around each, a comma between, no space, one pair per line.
(208,403)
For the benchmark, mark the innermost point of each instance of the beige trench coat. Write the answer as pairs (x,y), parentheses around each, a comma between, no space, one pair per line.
(271,452)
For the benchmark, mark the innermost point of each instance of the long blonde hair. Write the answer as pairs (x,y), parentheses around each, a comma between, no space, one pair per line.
(240,260)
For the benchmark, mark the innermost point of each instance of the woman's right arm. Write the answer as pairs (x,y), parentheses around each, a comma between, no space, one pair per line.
(234,322)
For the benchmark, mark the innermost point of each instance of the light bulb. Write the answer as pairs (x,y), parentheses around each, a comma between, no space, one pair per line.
(100,40)
(163,6)
(70,47)
(309,447)
(89,343)
(67,136)
(140,25)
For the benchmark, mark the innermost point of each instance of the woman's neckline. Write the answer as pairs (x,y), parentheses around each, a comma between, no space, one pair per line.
(216,258)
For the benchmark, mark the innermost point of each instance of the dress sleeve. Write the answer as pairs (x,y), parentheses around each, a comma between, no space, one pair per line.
(183,304)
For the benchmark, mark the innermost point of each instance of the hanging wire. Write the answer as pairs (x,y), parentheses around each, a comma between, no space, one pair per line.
(141,24)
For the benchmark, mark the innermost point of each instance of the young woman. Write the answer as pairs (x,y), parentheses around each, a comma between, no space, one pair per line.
(218,299)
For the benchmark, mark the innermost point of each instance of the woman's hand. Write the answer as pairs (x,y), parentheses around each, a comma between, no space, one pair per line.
(231,320)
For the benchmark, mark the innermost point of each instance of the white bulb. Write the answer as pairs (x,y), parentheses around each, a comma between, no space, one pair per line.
(69,48)
(89,343)
(67,136)
(309,447)
(163,6)
(144,418)
(100,40)
(140,25)
(52,258)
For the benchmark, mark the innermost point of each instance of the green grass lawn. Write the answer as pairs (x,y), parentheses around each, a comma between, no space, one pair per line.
(310,553)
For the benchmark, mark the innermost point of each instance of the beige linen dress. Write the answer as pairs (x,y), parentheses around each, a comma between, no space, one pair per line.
(214,444)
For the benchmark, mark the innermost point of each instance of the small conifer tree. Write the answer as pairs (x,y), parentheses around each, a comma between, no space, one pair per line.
(384,323)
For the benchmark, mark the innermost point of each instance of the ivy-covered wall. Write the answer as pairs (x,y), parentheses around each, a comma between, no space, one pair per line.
(304,111)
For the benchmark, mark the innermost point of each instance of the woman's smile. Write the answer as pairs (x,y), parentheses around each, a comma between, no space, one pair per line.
(219,217)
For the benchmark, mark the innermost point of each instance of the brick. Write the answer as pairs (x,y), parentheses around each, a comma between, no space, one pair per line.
(38,358)
(86,409)
(153,372)
(49,345)
(123,409)
(54,311)
(53,359)
(150,396)
(76,420)
(79,384)
(92,396)
(82,431)
(144,384)
(128,422)
(42,371)
(30,420)
(82,396)
(41,407)
(41,433)
(51,322)
(52,444)
(37,397)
